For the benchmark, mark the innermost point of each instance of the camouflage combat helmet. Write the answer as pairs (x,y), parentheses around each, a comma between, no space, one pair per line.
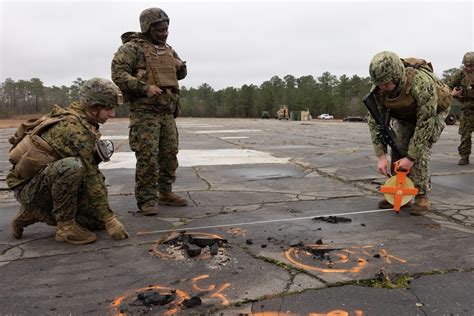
(386,66)
(468,59)
(100,92)
(150,16)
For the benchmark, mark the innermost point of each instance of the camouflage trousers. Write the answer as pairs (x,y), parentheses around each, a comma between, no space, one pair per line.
(420,173)
(466,127)
(154,139)
(56,190)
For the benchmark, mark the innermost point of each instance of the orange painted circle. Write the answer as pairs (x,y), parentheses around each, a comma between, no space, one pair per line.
(342,260)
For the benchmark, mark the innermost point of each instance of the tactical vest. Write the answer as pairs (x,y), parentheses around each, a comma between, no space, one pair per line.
(160,65)
(404,106)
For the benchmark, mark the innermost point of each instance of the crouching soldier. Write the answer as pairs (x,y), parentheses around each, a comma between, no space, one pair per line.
(55,174)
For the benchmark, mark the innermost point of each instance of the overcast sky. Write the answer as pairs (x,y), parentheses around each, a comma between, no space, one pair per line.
(233,43)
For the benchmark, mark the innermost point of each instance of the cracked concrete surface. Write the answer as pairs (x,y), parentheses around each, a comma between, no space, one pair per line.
(331,171)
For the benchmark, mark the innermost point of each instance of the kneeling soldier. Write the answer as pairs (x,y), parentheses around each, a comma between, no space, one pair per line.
(55,174)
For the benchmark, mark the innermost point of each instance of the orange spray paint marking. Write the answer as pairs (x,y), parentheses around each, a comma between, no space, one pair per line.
(272,314)
(339,312)
(351,260)
(198,288)
(237,231)
(332,313)
(387,257)
(217,294)
(293,255)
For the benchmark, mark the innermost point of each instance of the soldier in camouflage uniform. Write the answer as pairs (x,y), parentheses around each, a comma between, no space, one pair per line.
(68,189)
(463,90)
(147,71)
(408,97)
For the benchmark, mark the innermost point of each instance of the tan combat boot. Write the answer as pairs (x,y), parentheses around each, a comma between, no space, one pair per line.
(149,208)
(29,215)
(421,205)
(170,198)
(71,232)
(463,161)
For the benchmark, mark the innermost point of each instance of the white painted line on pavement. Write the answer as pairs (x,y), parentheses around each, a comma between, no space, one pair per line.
(262,222)
(228,131)
(114,137)
(190,158)
(234,137)
(181,125)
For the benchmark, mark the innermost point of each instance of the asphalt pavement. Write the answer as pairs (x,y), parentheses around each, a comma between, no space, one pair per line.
(282,220)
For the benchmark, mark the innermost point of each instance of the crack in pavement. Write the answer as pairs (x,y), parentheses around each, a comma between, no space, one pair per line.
(452,219)
(79,252)
(196,172)
(21,244)
(307,166)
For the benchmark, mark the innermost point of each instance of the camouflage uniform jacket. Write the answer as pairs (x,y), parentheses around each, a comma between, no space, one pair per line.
(76,136)
(130,72)
(460,79)
(423,92)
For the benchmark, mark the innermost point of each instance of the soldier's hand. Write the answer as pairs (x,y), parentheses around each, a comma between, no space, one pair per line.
(405,164)
(115,229)
(153,91)
(382,166)
(178,63)
(456,92)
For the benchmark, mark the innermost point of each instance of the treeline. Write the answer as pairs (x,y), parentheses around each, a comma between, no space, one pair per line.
(25,97)
(325,94)
(31,96)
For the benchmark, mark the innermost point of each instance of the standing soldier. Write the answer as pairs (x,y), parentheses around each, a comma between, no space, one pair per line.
(147,71)
(463,90)
(407,97)
(56,177)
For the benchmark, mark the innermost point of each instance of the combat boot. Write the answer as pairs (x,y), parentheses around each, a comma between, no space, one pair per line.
(149,208)
(463,161)
(170,198)
(421,205)
(71,232)
(384,204)
(29,215)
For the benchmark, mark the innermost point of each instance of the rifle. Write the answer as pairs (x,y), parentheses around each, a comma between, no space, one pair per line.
(384,132)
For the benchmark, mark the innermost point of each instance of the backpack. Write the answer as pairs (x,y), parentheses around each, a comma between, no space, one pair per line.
(442,90)
(30,152)
(33,126)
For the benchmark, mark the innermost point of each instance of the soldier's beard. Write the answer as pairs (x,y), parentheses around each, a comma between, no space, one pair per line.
(158,40)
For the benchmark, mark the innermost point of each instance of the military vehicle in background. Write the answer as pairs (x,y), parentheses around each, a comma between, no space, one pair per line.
(282,113)
(354,119)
